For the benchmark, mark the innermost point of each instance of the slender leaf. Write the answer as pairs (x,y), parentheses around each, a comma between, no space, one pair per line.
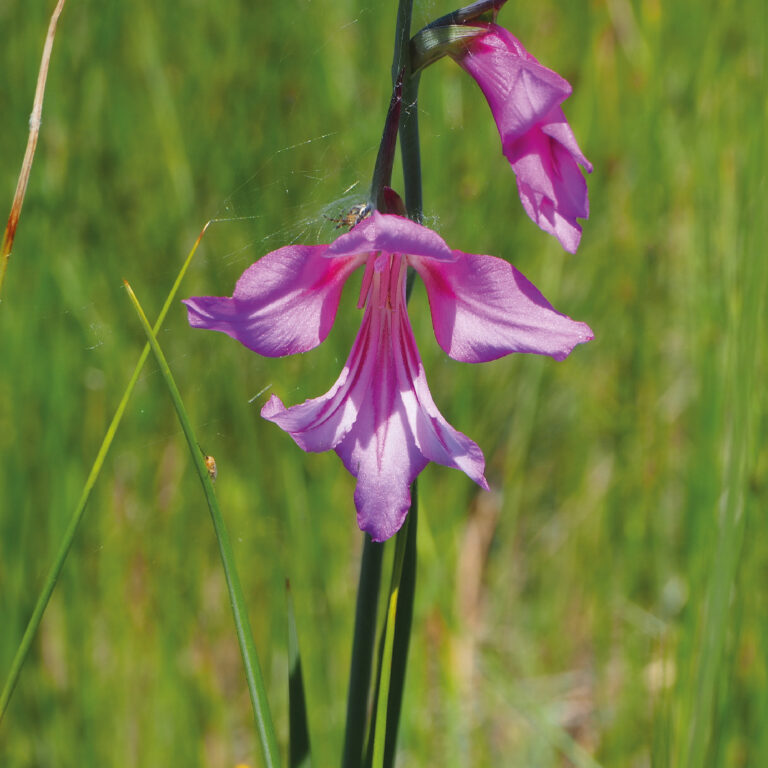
(253,674)
(300,752)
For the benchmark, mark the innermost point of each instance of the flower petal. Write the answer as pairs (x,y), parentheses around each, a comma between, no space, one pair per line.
(321,423)
(556,126)
(398,431)
(391,234)
(283,304)
(525,99)
(552,188)
(483,308)
(380,418)
(519,90)
(435,437)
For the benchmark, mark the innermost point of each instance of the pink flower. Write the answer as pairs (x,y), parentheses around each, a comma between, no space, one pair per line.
(379,416)
(525,99)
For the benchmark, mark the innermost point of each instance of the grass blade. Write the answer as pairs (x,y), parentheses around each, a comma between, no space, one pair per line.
(29,153)
(74,522)
(300,752)
(242,624)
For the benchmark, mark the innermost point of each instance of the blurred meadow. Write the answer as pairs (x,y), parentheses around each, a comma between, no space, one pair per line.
(604,605)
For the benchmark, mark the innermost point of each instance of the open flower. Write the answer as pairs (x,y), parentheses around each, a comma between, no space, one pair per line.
(525,99)
(379,416)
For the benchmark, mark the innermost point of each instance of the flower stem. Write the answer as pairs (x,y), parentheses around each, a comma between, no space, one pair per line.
(370,567)
(391,682)
(383,725)
(382,172)
(403,622)
(404,567)
(362,652)
(409,123)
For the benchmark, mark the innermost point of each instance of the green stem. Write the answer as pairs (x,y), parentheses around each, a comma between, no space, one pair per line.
(410,152)
(74,522)
(362,652)
(409,122)
(237,599)
(395,677)
(382,171)
(391,689)
(370,568)
(401,57)
(403,623)
(383,725)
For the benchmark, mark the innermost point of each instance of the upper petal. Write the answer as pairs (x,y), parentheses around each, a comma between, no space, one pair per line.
(283,304)
(392,234)
(483,308)
(519,90)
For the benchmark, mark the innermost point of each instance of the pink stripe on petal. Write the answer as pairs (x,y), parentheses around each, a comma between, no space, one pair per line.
(483,309)
(283,304)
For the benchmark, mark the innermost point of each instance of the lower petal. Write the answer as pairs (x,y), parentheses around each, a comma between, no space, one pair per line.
(398,431)
(437,440)
(385,460)
(321,423)
(380,418)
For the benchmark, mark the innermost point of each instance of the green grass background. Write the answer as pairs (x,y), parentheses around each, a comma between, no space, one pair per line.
(605,605)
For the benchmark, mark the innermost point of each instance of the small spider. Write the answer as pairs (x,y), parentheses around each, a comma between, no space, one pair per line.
(210,465)
(353,216)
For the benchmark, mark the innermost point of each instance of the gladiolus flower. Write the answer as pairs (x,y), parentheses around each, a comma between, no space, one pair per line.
(379,416)
(525,99)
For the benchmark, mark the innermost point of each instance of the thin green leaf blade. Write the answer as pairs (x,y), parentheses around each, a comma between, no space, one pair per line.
(299,746)
(254,676)
(69,534)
